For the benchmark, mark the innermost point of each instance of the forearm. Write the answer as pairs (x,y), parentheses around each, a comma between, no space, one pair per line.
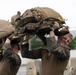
(55,48)
(25,51)
(33,54)
(12,57)
(7,50)
(51,41)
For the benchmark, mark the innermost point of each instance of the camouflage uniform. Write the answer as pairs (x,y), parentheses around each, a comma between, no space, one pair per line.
(10,62)
(53,64)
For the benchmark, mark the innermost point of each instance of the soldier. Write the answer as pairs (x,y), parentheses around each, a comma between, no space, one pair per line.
(54,62)
(39,21)
(9,59)
(6,29)
(10,62)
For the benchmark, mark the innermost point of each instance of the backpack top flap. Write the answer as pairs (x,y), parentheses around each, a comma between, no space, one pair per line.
(6,28)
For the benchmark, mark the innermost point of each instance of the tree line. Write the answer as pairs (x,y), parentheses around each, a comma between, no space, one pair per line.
(36,43)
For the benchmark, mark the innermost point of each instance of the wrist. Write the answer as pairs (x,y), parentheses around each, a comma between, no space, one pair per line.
(7,41)
(52,34)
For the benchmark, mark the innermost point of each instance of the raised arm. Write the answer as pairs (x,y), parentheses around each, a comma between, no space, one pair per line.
(9,54)
(60,51)
(33,54)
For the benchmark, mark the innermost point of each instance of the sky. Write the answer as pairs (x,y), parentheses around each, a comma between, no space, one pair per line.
(67,8)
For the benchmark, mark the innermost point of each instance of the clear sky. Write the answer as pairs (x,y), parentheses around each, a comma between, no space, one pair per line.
(67,8)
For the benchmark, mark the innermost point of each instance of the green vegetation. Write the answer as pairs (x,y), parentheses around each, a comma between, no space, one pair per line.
(36,42)
(72,45)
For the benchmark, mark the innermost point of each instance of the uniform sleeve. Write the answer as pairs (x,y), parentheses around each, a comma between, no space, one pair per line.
(51,43)
(59,51)
(33,54)
(12,57)
(1,56)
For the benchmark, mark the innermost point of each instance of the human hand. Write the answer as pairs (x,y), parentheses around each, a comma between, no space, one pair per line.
(56,25)
(52,34)
(7,40)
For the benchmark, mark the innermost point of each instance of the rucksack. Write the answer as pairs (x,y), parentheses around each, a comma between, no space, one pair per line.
(37,21)
(6,28)
(32,18)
